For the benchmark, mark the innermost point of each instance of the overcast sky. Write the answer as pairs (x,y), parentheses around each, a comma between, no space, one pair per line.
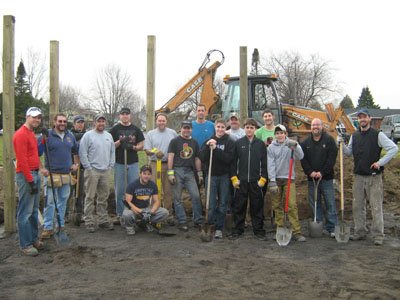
(359,38)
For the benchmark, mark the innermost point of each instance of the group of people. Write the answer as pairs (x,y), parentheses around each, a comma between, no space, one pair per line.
(245,163)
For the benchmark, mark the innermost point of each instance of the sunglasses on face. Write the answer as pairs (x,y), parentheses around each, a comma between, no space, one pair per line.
(62,121)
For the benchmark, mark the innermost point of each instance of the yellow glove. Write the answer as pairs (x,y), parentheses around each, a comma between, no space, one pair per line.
(235,182)
(261,182)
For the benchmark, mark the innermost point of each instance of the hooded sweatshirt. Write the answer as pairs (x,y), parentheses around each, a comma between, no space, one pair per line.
(279,160)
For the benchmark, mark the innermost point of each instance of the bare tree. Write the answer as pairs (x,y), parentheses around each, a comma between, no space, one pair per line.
(307,82)
(113,90)
(36,70)
(69,99)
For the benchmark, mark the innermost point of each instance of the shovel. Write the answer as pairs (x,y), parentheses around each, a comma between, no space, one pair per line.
(77,203)
(207,230)
(314,227)
(342,232)
(60,236)
(284,234)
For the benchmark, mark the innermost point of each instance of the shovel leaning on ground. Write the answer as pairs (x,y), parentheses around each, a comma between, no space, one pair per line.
(342,231)
(314,227)
(207,230)
(284,234)
(60,236)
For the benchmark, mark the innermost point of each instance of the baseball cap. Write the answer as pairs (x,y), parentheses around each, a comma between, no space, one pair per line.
(363,111)
(125,110)
(99,116)
(234,114)
(78,119)
(186,124)
(146,168)
(280,127)
(33,111)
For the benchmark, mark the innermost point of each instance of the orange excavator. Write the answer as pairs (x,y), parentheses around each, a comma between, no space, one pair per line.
(262,94)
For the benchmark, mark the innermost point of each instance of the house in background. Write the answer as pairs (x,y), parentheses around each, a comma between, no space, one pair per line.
(377,115)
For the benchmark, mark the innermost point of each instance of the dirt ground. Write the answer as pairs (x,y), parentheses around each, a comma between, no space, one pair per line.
(111,265)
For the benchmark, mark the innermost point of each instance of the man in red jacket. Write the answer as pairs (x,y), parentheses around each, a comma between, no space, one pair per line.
(28,181)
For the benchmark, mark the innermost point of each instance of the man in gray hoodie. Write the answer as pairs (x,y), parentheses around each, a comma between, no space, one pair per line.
(279,154)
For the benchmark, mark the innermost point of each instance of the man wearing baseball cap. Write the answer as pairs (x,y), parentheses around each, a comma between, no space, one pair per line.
(235,132)
(366,145)
(28,181)
(127,137)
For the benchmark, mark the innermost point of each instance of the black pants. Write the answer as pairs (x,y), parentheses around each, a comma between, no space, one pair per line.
(254,192)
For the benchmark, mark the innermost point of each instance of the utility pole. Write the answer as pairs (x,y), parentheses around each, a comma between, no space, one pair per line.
(243,84)
(54,81)
(8,124)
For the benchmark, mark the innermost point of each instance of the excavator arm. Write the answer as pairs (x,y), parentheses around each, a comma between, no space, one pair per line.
(204,78)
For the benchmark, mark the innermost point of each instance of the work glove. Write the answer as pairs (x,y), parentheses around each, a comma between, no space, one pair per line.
(273,188)
(291,144)
(33,188)
(235,182)
(159,154)
(146,217)
(127,146)
(200,175)
(171,177)
(261,182)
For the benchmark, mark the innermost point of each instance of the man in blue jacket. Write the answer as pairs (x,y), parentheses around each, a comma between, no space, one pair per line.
(61,144)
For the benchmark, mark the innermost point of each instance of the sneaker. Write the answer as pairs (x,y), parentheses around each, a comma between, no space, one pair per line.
(358,237)
(218,234)
(38,245)
(90,228)
(332,234)
(299,237)
(183,227)
(130,230)
(234,236)
(46,234)
(378,241)
(32,251)
(106,225)
(261,237)
(117,221)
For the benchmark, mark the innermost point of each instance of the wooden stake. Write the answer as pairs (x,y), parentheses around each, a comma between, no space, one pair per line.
(54,81)
(244,96)
(151,73)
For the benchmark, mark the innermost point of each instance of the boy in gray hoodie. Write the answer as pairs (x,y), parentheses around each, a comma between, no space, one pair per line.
(279,153)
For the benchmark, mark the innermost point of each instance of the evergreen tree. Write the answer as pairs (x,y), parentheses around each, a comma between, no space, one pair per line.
(347,102)
(366,100)
(21,84)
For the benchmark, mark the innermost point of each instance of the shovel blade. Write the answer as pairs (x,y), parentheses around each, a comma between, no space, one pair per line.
(283,236)
(342,233)
(61,238)
(206,234)
(315,229)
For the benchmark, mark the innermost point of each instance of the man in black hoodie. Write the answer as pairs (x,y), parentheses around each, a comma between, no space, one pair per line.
(223,147)
(248,175)
(320,153)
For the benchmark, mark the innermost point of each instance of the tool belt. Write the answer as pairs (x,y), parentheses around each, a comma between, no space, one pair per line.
(59,180)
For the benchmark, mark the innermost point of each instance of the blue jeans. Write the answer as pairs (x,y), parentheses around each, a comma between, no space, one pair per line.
(219,185)
(119,179)
(27,213)
(185,178)
(326,189)
(62,195)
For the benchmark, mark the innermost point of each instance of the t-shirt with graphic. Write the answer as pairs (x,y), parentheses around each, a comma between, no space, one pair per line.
(185,151)
(135,136)
(202,132)
(267,136)
(141,193)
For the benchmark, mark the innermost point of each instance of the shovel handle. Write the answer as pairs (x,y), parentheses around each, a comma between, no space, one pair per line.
(289,179)
(341,177)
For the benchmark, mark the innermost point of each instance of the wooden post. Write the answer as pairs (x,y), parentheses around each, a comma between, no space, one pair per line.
(54,81)
(151,74)
(8,124)
(244,95)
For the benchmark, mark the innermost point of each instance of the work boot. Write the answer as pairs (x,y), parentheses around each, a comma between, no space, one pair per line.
(117,221)
(32,251)
(46,234)
(234,236)
(106,225)
(130,230)
(358,237)
(90,228)
(171,221)
(378,240)
(38,245)
(299,237)
(261,237)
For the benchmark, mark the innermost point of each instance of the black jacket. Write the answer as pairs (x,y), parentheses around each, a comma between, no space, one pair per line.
(222,155)
(366,151)
(319,156)
(249,160)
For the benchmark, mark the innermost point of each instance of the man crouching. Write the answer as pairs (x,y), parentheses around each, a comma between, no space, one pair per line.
(138,208)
